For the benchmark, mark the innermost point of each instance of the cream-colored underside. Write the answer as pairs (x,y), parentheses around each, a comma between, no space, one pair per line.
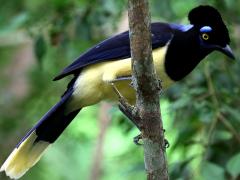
(93,84)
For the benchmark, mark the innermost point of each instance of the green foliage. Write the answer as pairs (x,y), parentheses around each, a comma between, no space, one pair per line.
(212,171)
(201,114)
(233,166)
(40,48)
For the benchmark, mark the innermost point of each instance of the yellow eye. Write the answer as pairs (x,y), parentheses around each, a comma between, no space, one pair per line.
(205,36)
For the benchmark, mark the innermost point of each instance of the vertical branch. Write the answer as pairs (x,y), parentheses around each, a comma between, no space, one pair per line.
(148,90)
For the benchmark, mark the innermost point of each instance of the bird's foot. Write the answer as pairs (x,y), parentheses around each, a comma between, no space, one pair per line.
(127,109)
(166,143)
(137,138)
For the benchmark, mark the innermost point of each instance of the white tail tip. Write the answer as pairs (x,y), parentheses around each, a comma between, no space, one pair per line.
(24,157)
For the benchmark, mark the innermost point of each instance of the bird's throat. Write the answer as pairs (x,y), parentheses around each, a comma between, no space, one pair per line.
(183,55)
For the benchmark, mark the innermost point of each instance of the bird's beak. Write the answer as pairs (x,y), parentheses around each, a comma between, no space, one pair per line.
(227,51)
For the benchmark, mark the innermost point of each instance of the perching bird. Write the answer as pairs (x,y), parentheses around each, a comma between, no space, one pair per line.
(177,49)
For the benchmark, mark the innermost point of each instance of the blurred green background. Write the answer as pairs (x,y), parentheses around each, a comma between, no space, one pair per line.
(201,114)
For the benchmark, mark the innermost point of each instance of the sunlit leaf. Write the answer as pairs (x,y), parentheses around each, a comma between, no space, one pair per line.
(233,165)
(212,171)
(182,102)
(232,111)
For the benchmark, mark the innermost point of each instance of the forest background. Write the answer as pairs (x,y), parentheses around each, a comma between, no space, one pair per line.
(201,113)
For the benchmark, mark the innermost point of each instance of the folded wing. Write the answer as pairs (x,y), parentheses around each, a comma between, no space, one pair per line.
(116,48)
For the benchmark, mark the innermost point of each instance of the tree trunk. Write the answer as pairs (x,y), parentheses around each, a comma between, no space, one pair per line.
(148,90)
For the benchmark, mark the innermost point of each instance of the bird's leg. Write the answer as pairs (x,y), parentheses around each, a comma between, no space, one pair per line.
(121,78)
(127,109)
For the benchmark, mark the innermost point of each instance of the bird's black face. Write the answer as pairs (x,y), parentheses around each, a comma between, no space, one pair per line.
(192,43)
(212,40)
(213,33)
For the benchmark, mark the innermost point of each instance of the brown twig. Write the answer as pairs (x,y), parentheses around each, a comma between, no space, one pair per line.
(229,126)
(218,114)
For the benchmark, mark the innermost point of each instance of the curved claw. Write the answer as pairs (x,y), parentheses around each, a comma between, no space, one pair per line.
(166,143)
(136,139)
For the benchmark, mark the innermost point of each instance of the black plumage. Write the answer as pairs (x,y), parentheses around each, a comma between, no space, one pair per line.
(116,48)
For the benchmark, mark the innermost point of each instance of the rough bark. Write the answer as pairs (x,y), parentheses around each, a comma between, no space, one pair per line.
(148,90)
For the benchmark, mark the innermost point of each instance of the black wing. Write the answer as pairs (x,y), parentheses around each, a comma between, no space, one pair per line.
(116,48)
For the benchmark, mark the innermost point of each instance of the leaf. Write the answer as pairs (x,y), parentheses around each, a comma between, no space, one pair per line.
(222,135)
(40,48)
(211,171)
(233,165)
(180,169)
(233,112)
(181,102)
(18,21)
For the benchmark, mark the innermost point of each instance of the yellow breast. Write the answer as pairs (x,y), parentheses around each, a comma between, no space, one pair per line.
(93,85)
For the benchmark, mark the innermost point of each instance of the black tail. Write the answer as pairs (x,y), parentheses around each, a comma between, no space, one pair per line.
(46,131)
(54,121)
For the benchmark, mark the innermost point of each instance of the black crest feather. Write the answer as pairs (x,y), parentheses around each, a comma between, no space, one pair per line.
(206,15)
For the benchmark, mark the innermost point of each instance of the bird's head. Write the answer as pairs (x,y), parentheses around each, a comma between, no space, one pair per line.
(213,33)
